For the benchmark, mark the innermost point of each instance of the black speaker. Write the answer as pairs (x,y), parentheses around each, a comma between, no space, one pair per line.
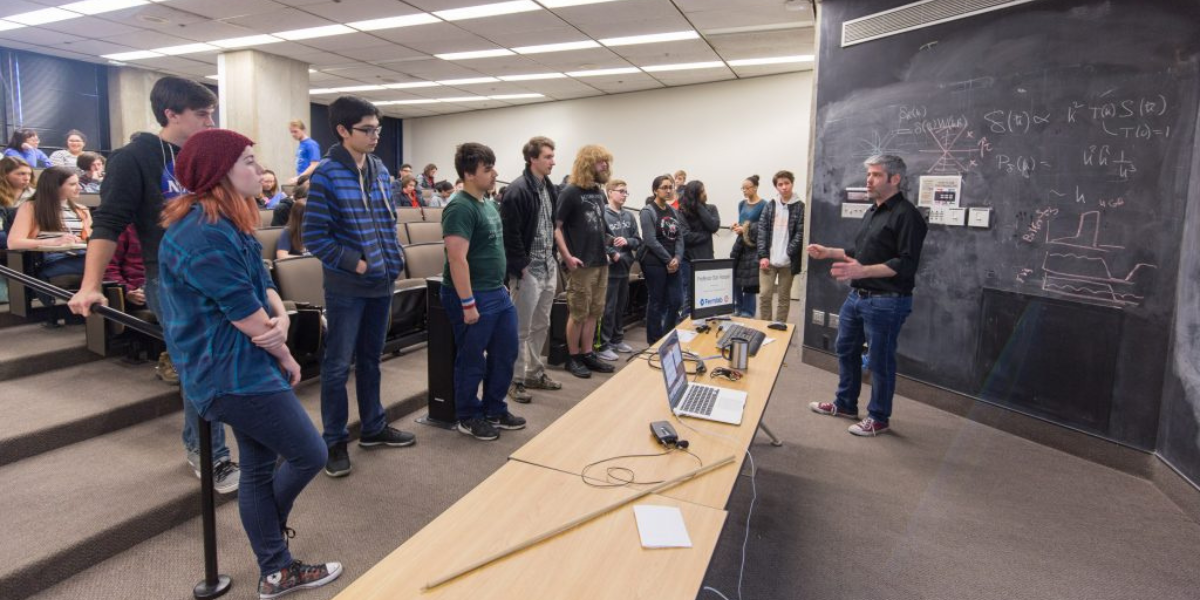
(442,352)
(557,356)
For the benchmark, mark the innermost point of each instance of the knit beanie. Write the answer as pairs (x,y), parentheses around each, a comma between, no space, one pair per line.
(207,157)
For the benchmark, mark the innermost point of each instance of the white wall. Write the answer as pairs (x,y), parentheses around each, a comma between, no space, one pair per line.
(719,133)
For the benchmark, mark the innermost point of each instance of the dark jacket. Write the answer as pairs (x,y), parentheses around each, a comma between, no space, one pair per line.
(745,256)
(622,223)
(698,242)
(132,193)
(795,231)
(282,212)
(519,213)
(340,230)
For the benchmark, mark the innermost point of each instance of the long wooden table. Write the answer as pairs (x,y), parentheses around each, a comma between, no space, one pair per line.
(540,489)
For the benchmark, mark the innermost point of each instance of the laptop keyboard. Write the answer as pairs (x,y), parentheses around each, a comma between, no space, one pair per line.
(699,400)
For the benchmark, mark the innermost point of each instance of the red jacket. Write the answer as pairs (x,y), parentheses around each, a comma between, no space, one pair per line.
(126,266)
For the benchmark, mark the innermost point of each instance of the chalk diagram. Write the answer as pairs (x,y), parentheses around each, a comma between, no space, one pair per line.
(1071,269)
(952,149)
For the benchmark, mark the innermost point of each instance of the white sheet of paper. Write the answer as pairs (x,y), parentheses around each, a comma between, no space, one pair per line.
(686,336)
(661,527)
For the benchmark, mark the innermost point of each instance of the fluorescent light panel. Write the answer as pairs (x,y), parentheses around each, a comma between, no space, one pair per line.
(469,81)
(394,22)
(563,47)
(411,84)
(359,88)
(684,66)
(773,60)
(421,101)
(322,91)
(652,38)
(314,32)
(6,25)
(187,49)
(464,99)
(243,42)
(475,54)
(95,7)
(138,55)
(41,17)
(603,72)
(487,10)
(567,3)
(532,77)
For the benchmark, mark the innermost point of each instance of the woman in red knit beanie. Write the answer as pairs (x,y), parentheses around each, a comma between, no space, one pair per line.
(226,330)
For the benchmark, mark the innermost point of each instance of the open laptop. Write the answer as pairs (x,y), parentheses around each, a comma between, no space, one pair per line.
(696,399)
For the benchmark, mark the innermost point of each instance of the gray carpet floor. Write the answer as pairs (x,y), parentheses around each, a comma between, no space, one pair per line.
(941,508)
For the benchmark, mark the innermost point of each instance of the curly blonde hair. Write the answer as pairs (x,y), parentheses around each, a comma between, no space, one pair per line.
(583,172)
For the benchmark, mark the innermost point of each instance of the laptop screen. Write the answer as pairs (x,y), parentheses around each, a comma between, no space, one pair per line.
(674,371)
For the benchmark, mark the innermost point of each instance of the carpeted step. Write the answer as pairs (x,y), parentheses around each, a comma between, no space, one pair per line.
(29,349)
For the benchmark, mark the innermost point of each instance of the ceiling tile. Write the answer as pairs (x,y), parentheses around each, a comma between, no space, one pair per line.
(576,60)
(383,54)
(672,78)
(92,27)
(16,7)
(349,41)
(325,60)
(359,10)
(761,45)
(170,62)
(772,69)
(550,35)
(228,9)
(60,53)
(302,2)
(436,69)
(428,33)
(286,19)
(154,16)
(667,53)
(146,40)
(504,65)
(94,47)
(743,17)
(592,15)
(202,31)
(530,23)
(435,5)
(38,36)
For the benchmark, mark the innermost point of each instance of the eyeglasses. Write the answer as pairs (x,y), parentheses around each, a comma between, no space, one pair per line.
(666,187)
(369,131)
(622,192)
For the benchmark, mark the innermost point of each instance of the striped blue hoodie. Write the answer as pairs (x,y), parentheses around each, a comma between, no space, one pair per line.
(340,227)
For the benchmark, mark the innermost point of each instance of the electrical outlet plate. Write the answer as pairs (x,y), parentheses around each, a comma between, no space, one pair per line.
(834,321)
(818,317)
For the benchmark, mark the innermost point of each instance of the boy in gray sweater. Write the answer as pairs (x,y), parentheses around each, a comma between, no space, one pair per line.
(625,242)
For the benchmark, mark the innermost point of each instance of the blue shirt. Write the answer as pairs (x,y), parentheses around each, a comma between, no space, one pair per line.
(35,157)
(210,275)
(308,152)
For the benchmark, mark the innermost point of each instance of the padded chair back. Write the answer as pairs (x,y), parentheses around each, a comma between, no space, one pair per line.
(89,200)
(402,234)
(264,217)
(409,215)
(424,233)
(424,260)
(433,215)
(269,238)
(300,279)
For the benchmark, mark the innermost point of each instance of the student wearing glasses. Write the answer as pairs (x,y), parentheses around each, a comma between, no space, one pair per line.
(663,230)
(624,243)
(24,145)
(350,225)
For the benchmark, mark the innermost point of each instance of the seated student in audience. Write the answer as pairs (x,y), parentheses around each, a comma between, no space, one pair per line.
(662,235)
(283,210)
(68,156)
(214,289)
(16,181)
(52,218)
(24,145)
(127,267)
(428,178)
(270,195)
(408,196)
(745,250)
(441,194)
(91,167)
(458,185)
(291,238)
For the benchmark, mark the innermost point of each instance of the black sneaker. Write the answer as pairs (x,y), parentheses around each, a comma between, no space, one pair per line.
(297,576)
(576,367)
(478,429)
(388,436)
(593,362)
(507,421)
(226,476)
(338,464)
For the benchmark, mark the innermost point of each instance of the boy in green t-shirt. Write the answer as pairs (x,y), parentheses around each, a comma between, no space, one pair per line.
(480,311)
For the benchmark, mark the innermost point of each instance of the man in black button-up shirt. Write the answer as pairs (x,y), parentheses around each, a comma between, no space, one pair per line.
(881,269)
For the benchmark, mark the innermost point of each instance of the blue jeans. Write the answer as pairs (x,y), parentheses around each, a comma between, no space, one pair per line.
(664,293)
(744,303)
(357,330)
(486,352)
(878,322)
(191,426)
(63,265)
(267,426)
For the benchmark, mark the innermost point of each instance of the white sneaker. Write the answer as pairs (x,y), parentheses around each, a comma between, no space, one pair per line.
(607,354)
(623,348)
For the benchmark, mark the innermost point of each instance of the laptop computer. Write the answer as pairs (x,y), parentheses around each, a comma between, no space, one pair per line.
(696,399)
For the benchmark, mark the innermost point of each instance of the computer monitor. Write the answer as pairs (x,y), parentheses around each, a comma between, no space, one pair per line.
(710,292)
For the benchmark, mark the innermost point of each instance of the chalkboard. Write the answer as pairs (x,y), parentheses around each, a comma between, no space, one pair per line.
(1075,123)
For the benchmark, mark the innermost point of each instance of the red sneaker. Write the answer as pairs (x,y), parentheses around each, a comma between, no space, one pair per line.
(831,409)
(868,427)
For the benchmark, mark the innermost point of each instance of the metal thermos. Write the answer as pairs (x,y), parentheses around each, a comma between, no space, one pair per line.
(737,353)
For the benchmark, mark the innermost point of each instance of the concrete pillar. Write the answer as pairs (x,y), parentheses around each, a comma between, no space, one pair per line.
(129,103)
(259,94)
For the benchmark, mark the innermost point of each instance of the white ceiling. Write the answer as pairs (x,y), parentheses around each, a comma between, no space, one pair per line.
(729,30)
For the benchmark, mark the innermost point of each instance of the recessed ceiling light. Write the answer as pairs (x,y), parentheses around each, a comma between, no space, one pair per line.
(421,101)
(314,32)
(6,25)
(464,99)
(566,3)
(652,38)
(487,10)
(360,88)
(685,66)
(322,91)
(532,77)
(213,77)
(394,22)
(242,42)
(469,81)
(411,84)
(46,15)
(95,7)
(774,60)
(557,47)
(475,54)
(187,49)
(602,72)
(516,96)
(137,55)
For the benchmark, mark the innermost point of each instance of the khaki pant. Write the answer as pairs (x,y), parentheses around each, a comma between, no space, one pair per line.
(768,287)
(533,297)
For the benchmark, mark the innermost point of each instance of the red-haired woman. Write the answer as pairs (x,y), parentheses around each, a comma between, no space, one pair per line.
(226,330)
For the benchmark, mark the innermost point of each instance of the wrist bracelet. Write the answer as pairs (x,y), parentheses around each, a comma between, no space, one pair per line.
(468,302)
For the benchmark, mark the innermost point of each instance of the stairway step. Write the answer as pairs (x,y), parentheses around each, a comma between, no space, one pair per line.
(30,349)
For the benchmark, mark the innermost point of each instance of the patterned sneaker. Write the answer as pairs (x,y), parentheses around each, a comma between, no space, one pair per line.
(593,363)
(479,429)
(226,475)
(542,382)
(517,392)
(868,427)
(507,421)
(297,576)
(607,354)
(623,348)
(831,409)
(388,436)
(165,370)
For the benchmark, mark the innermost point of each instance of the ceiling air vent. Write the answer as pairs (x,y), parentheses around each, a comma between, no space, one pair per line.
(916,16)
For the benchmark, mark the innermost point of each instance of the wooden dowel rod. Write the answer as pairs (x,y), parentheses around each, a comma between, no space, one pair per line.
(577,522)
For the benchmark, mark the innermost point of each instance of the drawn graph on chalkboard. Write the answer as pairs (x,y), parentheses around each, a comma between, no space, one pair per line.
(952,148)
(1073,272)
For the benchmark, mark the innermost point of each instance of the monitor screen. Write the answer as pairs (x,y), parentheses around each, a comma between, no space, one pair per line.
(711,289)
(670,357)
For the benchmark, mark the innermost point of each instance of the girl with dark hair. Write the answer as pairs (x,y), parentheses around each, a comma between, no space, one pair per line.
(52,218)
(745,249)
(428,177)
(68,156)
(702,220)
(226,328)
(408,194)
(662,252)
(91,167)
(291,239)
(24,145)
